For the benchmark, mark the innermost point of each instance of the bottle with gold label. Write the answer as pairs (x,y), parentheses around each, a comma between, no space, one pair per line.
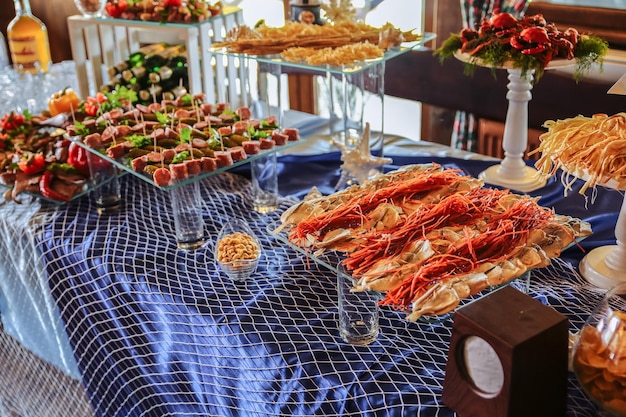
(28,40)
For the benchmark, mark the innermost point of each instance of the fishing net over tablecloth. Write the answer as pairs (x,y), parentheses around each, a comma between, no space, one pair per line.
(155,331)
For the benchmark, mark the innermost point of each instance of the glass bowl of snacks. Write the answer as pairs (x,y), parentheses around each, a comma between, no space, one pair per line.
(237,250)
(599,355)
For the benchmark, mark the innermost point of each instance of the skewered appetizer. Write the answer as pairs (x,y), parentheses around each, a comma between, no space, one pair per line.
(528,43)
(175,139)
(428,237)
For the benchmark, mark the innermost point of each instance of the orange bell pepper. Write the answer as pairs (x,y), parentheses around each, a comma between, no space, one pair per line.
(63,102)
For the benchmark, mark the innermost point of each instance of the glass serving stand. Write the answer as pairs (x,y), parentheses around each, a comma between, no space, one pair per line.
(332,259)
(346,89)
(124,164)
(29,196)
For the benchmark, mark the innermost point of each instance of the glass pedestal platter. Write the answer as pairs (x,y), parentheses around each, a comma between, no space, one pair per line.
(349,87)
(512,172)
(331,260)
(124,163)
(177,161)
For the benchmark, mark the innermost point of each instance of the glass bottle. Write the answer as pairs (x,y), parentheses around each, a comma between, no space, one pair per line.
(4,55)
(28,40)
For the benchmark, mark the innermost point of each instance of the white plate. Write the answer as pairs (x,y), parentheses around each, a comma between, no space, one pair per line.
(465,57)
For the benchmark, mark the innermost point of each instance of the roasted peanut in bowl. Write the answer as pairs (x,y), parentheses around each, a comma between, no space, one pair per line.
(599,357)
(237,250)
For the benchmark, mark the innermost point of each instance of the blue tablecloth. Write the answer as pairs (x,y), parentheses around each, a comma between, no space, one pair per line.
(161,332)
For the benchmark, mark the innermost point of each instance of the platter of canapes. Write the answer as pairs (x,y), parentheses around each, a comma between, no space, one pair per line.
(428,237)
(173,142)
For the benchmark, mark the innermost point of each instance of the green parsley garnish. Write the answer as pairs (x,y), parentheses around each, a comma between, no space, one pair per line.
(162,118)
(186,99)
(180,157)
(80,129)
(185,135)
(139,141)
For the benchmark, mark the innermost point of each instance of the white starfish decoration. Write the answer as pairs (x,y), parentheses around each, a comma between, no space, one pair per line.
(358,162)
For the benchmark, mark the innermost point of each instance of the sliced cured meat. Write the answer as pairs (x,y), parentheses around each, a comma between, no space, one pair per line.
(179,171)
(243,113)
(279,138)
(237,153)
(266,143)
(194,166)
(168,155)
(154,157)
(116,151)
(251,147)
(199,143)
(162,177)
(93,141)
(206,108)
(223,158)
(293,133)
(208,164)
(139,163)
(225,130)
(240,127)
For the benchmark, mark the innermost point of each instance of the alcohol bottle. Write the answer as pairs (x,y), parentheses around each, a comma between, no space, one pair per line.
(152,94)
(155,61)
(169,75)
(136,75)
(28,40)
(136,59)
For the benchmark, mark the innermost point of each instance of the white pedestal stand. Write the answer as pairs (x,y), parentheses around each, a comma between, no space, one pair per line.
(605,266)
(512,172)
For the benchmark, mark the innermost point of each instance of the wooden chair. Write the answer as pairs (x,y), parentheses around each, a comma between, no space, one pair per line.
(491,135)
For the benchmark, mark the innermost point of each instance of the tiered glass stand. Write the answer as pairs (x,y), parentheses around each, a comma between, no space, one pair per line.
(184,194)
(347,90)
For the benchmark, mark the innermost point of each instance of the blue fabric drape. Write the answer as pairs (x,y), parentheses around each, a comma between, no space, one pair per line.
(161,332)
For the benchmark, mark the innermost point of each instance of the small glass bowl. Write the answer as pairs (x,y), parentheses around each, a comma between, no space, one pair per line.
(237,250)
(599,354)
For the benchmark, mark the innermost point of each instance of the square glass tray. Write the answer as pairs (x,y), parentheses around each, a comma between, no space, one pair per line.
(86,189)
(123,163)
(344,69)
(331,260)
